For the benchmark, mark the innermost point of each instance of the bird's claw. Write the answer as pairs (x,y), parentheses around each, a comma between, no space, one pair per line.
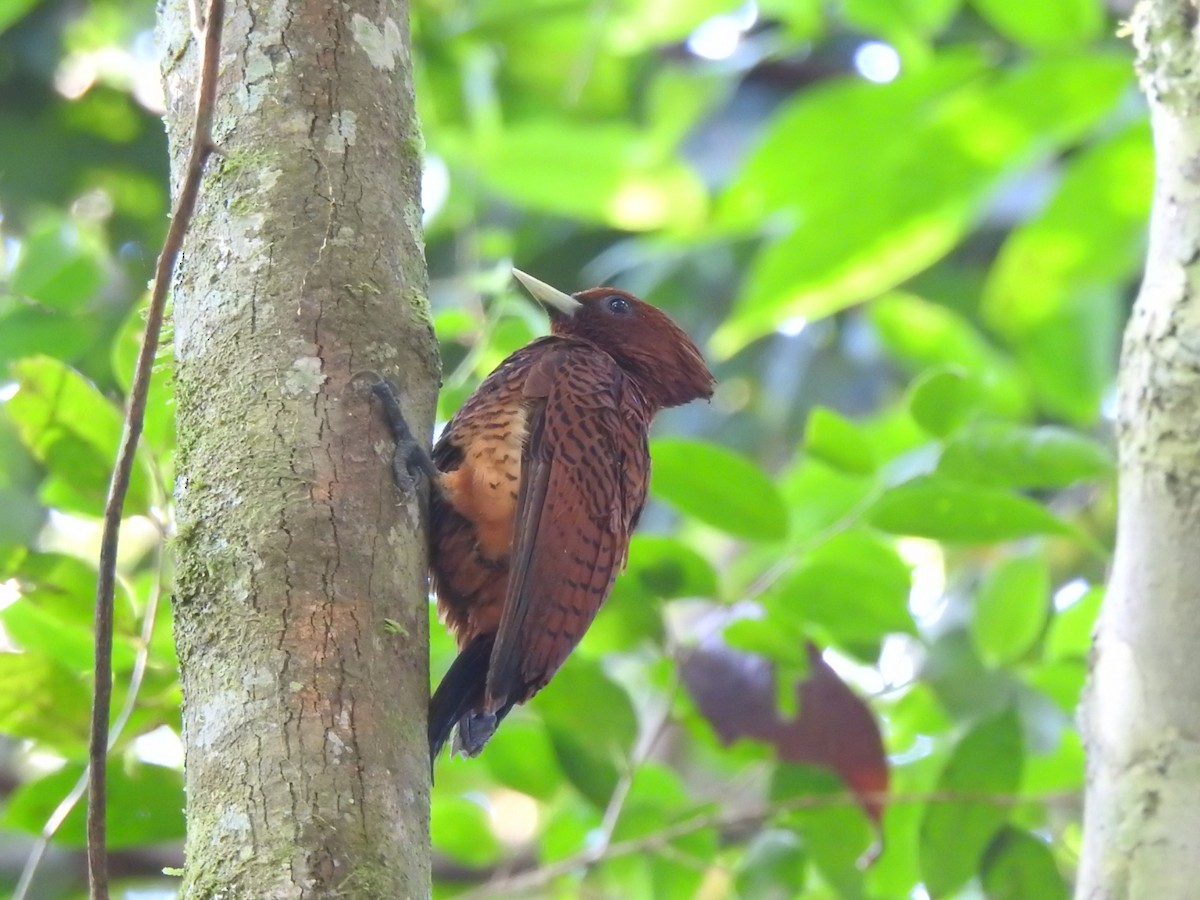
(412,469)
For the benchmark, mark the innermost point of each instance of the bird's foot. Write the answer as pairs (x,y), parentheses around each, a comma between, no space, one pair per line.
(412,469)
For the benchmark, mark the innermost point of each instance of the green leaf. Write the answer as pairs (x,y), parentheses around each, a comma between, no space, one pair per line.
(1011,608)
(818,496)
(460,829)
(53,617)
(521,756)
(145,806)
(1062,681)
(942,400)
(657,797)
(592,725)
(30,330)
(855,586)
(774,866)
(839,442)
(74,431)
(569,826)
(629,184)
(1044,25)
(933,507)
(43,701)
(668,568)
(637,27)
(836,836)
(1019,866)
(900,17)
(1003,455)
(954,835)
(1063,769)
(929,335)
(719,487)
(1071,358)
(58,266)
(802,19)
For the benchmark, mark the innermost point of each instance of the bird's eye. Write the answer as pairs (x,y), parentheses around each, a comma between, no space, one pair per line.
(617,305)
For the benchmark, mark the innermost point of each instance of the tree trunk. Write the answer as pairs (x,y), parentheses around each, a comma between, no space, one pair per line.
(1142,710)
(300,606)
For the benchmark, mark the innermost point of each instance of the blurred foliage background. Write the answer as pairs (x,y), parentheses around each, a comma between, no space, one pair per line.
(907,233)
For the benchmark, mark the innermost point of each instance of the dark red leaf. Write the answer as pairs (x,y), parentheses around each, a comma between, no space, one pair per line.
(834,730)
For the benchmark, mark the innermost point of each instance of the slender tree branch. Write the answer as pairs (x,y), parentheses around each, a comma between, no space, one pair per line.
(55,820)
(737,821)
(202,146)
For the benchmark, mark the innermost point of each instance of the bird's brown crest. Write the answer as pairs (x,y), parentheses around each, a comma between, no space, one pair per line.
(644,342)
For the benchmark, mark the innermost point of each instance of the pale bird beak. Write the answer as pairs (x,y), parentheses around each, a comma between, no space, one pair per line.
(548,296)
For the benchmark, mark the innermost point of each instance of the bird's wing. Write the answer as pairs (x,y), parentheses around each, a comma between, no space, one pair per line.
(584,473)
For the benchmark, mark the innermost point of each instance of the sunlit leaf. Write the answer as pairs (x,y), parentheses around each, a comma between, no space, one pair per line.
(1040,24)
(74,431)
(627,185)
(1090,235)
(158,428)
(12,10)
(961,136)
(657,796)
(1087,333)
(54,615)
(668,568)
(837,836)
(1070,633)
(29,330)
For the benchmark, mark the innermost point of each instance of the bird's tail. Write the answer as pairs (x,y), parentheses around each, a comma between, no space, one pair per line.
(461,691)
(459,700)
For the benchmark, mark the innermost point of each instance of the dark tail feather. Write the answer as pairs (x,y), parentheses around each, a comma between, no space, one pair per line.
(460,692)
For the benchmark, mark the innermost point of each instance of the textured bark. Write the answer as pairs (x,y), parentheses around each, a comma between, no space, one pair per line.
(300,606)
(1142,711)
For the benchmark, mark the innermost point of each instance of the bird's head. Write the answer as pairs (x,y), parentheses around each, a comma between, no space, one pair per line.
(641,338)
